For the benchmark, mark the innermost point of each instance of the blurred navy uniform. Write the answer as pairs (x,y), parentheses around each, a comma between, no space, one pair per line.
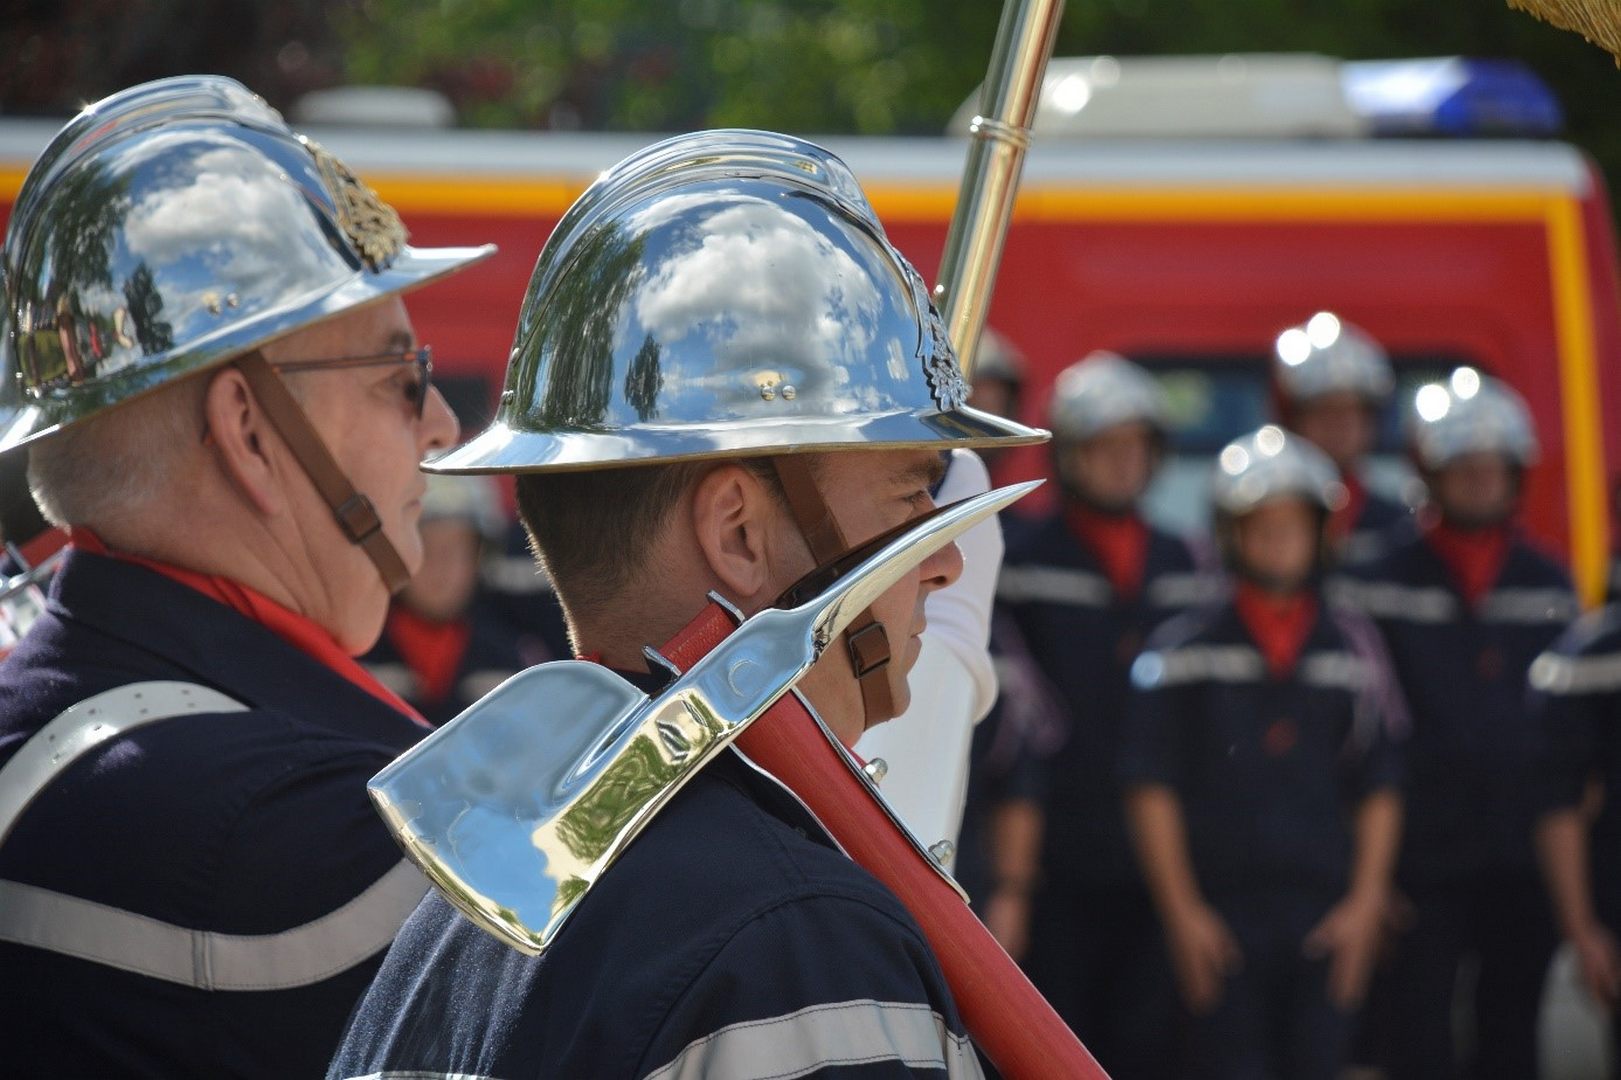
(447,642)
(192,880)
(1084,587)
(1576,697)
(1330,382)
(1271,719)
(1465,607)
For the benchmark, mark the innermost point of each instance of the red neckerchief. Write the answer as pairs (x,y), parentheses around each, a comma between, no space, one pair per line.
(299,631)
(1474,557)
(1279,624)
(1343,521)
(432,650)
(1118,541)
(43,546)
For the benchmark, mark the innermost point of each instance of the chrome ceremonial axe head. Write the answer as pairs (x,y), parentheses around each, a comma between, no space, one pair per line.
(517,806)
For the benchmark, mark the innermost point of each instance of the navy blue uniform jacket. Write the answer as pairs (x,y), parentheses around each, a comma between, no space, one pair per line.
(1084,638)
(731,940)
(1576,694)
(1473,792)
(1267,767)
(210,845)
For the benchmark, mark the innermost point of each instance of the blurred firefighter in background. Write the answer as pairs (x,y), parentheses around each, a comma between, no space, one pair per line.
(444,646)
(1575,691)
(1465,606)
(1260,767)
(1330,383)
(1084,586)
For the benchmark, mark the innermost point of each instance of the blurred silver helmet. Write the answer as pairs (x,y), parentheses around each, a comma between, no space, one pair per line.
(998,358)
(724,294)
(474,500)
(170,227)
(1326,355)
(1272,464)
(1470,413)
(1104,390)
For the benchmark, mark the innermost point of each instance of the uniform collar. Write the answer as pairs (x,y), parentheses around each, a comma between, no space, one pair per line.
(216,646)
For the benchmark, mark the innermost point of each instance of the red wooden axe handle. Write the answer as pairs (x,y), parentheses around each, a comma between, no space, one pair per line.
(1006,1016)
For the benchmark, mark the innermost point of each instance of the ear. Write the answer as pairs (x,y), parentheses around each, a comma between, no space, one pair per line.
(735,520)
(248,451)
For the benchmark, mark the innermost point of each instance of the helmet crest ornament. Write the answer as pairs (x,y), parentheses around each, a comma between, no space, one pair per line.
(373,226)
(940,367)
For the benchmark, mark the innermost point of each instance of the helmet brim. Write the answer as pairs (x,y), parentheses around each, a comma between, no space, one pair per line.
(504,449)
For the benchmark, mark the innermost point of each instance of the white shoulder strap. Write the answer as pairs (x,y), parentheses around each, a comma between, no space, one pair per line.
(86,726)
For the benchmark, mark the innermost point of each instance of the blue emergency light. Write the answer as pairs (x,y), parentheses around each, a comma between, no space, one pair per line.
(1451,95)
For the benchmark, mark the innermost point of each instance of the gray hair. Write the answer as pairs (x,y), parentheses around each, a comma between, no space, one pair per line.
(119,462)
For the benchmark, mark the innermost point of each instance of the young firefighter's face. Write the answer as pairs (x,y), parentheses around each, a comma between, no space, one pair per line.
(1475,489)
(1112,468)
(1276,543)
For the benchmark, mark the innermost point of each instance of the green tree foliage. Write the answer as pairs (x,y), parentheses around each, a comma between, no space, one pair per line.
(888,66)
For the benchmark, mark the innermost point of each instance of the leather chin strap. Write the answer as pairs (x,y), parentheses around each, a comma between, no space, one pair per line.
(355,514)
(865,638)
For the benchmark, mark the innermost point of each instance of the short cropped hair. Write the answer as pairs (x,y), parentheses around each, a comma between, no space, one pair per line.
(593,530)
(115,463)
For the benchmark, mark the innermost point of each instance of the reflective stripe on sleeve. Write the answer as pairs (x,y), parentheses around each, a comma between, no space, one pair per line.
(1185,590)
(1198,663)
(846,1033)
(1387,600)
(1529,606)
(1559,675)
(306,954)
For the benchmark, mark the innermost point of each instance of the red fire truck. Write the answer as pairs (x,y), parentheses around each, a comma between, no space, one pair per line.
(1187,250)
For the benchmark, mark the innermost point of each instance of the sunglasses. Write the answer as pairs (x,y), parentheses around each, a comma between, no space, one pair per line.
(421,357)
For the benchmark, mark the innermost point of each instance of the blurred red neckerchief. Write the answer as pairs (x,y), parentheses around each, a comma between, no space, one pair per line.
(300,632)
(1118,541)
(1474,557)
(1279,624)
(432,650)
(1342,522)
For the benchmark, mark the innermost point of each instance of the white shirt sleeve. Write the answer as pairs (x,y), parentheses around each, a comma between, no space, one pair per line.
(953,684)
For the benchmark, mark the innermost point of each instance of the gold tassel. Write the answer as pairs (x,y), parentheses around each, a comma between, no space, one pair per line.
(1599,21)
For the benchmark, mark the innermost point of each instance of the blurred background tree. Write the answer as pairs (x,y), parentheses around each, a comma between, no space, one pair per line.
(834,66)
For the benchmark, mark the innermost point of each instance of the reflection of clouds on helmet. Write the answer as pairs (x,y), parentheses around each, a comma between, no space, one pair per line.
(227,213)
(768,289)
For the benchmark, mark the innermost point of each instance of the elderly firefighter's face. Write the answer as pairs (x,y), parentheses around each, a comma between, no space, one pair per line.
(367,416)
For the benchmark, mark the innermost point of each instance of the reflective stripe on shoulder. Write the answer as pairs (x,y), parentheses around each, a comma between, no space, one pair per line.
(1183,590)
(1559,675)
(1197,663)
(85,726)
(1334,671)
(306,954)
(1053,585)
(845,1033)
(1529,606)
(1388,600)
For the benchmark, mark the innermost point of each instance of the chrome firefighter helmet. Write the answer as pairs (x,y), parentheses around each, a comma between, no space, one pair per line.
(171,227)
(724,294)
(1272,464)
(1470,413)
(1102,391)
(1327,355)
